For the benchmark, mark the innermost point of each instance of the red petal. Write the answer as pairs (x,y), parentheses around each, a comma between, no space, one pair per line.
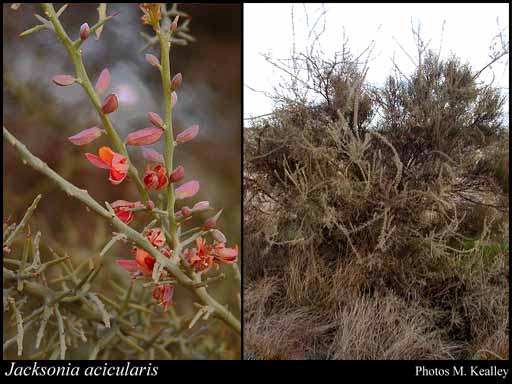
(125,216)
(129,265)
(162,181)
(96,161)
(116,177)
(151,180)
(167,295)
(106,154)
(226,255)
(119,162)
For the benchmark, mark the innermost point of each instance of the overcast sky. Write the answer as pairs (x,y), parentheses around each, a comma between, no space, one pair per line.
(468,31)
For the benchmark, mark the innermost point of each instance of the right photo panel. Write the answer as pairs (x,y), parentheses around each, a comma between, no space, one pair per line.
(376,182)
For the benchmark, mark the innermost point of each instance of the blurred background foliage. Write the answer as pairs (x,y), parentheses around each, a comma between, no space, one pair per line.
(43,115)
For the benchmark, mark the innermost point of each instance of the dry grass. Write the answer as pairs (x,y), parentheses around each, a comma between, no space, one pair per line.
(386,328)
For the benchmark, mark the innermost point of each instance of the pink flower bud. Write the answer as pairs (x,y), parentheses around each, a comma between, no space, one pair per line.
(86,136)
(174,99)
(63,80)
(212,221)
(150,204)
(218,236)
(110,104)
(188,189)
(156,120)
(186,211)
(84,31)
(201,206)
(176,81)
(153,60)
(209,224)
(144,136)
(188,134)
(177,174)
(152,156)
(174,24)
(103,82)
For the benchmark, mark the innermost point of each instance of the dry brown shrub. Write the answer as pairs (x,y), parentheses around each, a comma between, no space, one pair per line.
(382,238)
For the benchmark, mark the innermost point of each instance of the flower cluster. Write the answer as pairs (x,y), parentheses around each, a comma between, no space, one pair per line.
(158,176)
(203,256)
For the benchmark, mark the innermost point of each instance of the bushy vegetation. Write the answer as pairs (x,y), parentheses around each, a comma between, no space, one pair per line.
(376,218)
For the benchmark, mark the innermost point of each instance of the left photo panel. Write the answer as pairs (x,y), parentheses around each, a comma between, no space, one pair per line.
(122,181)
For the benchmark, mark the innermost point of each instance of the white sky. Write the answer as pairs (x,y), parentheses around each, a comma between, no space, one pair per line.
(468,32)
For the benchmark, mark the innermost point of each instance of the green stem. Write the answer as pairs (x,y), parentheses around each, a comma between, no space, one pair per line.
(164,36)
(75,53)
(23,222)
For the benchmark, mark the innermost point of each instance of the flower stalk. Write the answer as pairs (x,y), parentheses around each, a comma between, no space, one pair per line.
(75,53)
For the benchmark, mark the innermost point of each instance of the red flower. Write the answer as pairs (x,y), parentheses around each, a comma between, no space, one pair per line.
(111,160)
(204,256)
(155,178)
(225,255)
(122,209)
(200,258)
(164,293)
(156,237)
(144,262)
